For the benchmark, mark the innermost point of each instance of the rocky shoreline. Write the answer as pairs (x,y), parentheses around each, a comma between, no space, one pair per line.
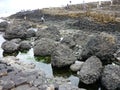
(89,49)
(14,75)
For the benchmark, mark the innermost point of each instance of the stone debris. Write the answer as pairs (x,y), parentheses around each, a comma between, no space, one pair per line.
(13,77)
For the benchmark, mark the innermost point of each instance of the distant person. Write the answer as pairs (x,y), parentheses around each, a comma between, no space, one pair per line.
(25,17)
(84,6)
(111,1)
(67,6)
(42,19)
(99,5)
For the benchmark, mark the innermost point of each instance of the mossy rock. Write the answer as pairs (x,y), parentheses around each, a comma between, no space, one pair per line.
(44,59)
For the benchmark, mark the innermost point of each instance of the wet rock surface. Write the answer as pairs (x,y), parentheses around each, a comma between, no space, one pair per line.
(14,76)
(81,35)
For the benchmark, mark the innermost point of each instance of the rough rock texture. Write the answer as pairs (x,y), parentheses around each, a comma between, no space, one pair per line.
(12,78)
(9,46)
(81,38)
(69,87)
(102,46)
(117,56)
(111,77)
(85,24)
(17,31)
(91,70)
(44,47)
(76,66)
(68,41)
(30,33)
(116,2)
(17,41)
(62,56)
(51,32)
(14,75)
(24,45)
(34,15)
(3,26)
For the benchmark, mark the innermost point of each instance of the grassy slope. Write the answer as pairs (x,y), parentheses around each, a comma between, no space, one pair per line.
(105,14)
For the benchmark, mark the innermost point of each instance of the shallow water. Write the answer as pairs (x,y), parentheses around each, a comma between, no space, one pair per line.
(28,57)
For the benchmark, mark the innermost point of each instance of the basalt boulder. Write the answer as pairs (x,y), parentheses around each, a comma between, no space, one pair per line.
(111,77)
(81,38)
(30,33)
(25,45)
(68,40)
(90,70)
(17,31)
(10,47)
(3,26)
(103,46)
(17,41)
(62,56)
(44,47)
(51,32)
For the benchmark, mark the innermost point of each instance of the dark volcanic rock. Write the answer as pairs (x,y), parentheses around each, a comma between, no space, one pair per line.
(116,2)
(3,26)
(17,41)
(68,41)
(17,31)
(81,38)
(30,33)
(9,46)
(44,47)
(111,77)
(62,56)
(91,70)
(102,46)
(51,32)
(33,15)
(24,45)
(86,24)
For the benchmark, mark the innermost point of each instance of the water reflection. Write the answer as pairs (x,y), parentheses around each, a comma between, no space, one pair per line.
(29,58)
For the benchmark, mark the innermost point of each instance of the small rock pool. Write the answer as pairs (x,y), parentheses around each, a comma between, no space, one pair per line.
(28,58)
